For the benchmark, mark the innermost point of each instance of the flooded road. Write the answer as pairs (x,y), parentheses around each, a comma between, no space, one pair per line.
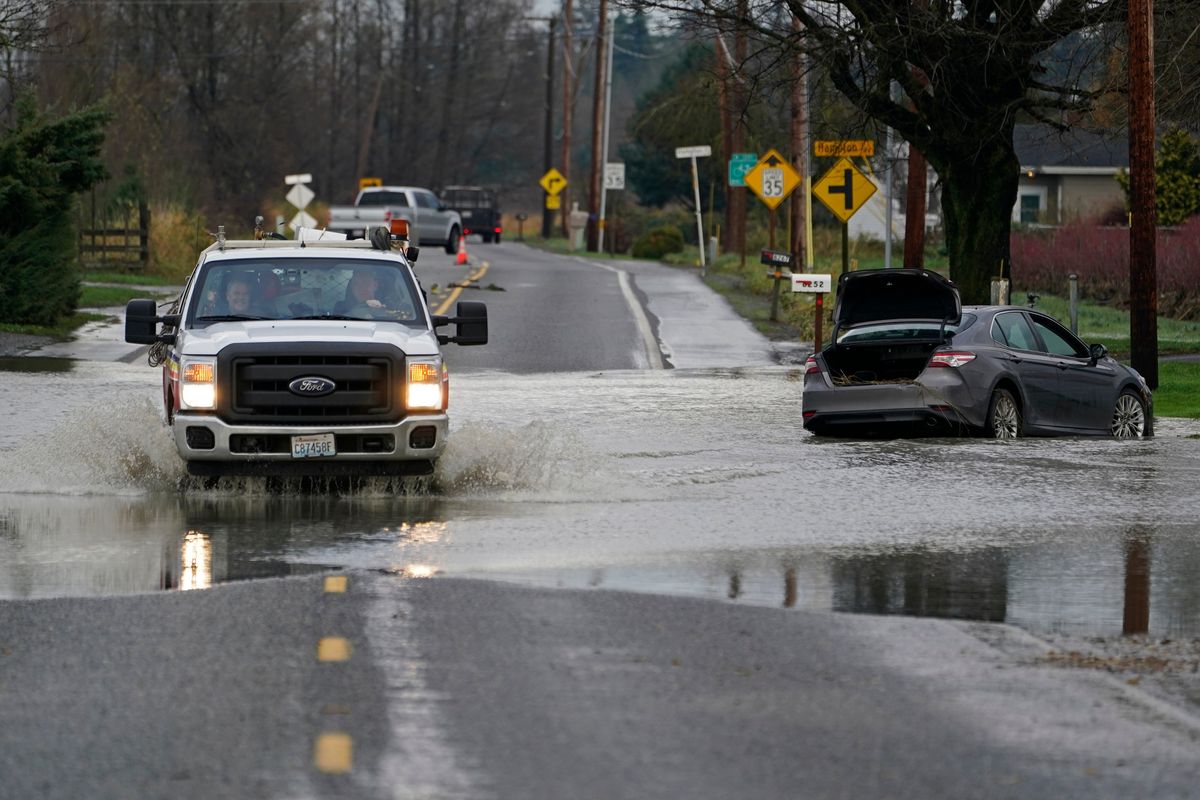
(682,482)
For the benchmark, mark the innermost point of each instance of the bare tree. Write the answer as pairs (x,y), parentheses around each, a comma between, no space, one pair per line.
(969,69)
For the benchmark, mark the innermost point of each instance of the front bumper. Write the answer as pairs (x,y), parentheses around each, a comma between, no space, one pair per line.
(213,446)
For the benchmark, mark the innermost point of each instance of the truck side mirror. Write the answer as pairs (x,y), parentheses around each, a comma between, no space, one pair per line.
(141,323)
(471,325)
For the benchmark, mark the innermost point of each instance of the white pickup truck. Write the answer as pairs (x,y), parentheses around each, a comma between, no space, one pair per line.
(302,357)
(430,221)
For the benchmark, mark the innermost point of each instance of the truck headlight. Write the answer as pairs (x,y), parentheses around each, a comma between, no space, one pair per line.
(423,391)
(198,383)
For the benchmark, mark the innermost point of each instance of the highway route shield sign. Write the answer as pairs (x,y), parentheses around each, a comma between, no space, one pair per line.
(553,182)
(843,189)
(773,178)
(739,165)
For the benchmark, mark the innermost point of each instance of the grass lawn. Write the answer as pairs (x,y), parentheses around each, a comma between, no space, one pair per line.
(113,296)
(130,278)
(63,330)
(1178,392)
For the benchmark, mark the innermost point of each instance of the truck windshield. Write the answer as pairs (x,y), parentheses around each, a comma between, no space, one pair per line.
(310,288)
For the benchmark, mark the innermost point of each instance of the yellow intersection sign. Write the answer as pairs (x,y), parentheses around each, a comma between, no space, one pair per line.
(553,182)
(843,189)
(772,179)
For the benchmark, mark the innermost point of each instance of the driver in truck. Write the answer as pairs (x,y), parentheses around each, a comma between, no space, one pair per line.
(366,296)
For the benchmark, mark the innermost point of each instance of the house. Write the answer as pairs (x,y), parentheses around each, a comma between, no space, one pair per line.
(1066,176)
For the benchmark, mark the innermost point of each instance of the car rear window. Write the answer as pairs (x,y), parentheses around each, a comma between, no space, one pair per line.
(383,199)
(902,331)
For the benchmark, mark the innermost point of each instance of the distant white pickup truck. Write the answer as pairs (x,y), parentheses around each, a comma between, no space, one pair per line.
(431,222)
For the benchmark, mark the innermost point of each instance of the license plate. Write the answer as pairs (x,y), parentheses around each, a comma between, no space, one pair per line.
(316,445)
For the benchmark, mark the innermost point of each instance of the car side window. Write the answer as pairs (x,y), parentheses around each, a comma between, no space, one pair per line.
(1015,331)
(1058,339)
(426,200)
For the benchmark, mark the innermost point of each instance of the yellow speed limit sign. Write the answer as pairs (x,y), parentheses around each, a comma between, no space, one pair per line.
(773,178)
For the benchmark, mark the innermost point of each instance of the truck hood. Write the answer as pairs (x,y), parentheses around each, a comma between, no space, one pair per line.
(211,340)
(878,295)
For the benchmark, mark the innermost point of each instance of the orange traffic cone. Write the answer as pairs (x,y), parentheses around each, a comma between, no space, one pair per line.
(462,250)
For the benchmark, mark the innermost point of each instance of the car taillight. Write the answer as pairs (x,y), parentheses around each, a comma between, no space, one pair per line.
(953,359)
(810,365)
(497,230)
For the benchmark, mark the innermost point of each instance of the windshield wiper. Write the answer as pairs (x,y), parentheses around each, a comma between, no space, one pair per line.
(230,318)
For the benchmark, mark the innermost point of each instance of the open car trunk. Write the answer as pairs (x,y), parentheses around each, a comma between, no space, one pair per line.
(887,324)
(878,362)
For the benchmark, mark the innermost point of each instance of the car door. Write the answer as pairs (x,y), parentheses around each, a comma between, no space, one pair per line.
(431,226)
(1037,371)
(1086,390)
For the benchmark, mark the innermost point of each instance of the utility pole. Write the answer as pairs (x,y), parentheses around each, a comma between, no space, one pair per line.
(568,104)
(799,135)
(917,191)
(737,202)
(728,234)
(608,78)
(548,134)
(1143,270)
(593,228)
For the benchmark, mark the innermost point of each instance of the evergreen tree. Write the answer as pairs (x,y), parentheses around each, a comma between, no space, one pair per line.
(43,163)
(1177,178)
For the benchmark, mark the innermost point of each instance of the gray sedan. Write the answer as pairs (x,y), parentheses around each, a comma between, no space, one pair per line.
(907,358)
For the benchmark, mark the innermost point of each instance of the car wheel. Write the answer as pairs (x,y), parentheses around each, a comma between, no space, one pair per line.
(496,238)
(1129,416)
(1004,416)
(452,242)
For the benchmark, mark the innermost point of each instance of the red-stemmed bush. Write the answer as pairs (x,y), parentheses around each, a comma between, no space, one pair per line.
(1043,261)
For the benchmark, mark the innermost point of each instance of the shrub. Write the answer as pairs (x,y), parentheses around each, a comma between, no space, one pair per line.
(176,239)
(657,242)
(44,162)
(1043,261)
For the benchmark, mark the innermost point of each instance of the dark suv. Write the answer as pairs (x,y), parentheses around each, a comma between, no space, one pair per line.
(478,208)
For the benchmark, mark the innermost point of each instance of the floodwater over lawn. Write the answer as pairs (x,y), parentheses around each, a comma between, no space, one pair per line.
(685,482)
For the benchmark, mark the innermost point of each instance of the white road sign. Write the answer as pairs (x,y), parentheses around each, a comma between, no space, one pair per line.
(811,282)
(696,151)
(302,177)
(303,220)
(614,176)
(300,195)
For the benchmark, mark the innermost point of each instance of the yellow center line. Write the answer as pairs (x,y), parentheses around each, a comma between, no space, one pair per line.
(335,584)
(333,753)
(458,289)
(333,648)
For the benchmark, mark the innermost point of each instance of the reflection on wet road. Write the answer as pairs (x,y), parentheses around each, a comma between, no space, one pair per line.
(683,482)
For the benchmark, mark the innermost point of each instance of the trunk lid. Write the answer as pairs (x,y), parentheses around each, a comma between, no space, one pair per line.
(878,295)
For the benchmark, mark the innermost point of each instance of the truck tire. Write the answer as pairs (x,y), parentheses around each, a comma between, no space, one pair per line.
(452,241)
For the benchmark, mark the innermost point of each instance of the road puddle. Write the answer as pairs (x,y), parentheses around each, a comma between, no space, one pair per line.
(696,483)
